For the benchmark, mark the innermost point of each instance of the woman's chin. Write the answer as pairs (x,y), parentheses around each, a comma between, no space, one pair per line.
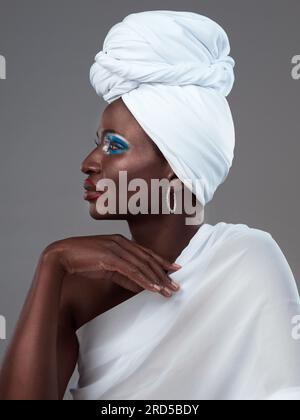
(105,215)
(96,215)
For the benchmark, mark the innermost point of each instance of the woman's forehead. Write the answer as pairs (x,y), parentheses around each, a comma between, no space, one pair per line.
(117,118)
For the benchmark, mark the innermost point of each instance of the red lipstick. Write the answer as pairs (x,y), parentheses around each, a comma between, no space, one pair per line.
(89,185)
(91,196)
(91,193)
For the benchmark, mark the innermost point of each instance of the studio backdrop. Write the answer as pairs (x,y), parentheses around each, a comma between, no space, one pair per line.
(49,114)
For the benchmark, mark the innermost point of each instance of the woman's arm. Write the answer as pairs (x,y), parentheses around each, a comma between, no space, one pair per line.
(30,368)
(67,346)
(43,352)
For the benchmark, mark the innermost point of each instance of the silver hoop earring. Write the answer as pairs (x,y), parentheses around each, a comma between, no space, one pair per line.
(168,200)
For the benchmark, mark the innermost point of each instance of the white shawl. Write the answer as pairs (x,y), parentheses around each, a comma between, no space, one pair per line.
(230,333)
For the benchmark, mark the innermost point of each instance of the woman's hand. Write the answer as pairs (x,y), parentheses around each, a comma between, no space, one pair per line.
(119,259)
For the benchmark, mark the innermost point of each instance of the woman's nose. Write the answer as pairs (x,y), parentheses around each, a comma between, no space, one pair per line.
(91,164)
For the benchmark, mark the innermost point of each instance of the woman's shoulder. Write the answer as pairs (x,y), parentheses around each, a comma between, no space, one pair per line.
(241,230)
(84,298)
(261,260)
(242,236)
(257,244)
(255,241)
(245,236)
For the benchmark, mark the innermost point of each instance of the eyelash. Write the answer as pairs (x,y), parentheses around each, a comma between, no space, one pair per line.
(111,144)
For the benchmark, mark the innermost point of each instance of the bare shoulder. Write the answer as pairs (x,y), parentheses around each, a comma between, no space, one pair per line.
(84,298)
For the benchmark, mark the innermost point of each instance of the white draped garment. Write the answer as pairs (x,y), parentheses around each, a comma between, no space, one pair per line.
(231,333)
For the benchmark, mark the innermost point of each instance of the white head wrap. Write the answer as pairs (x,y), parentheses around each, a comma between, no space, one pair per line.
(173,72)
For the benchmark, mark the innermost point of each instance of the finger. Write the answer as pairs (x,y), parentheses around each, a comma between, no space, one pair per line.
(131,272)
(146,269)
(161,274)
(165,263)
(125,283)
(159,271)
(133,245)
(149,261)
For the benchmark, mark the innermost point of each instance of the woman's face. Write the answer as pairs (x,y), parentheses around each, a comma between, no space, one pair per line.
(125,147)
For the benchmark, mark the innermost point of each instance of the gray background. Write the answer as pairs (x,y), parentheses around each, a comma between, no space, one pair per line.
(49,114)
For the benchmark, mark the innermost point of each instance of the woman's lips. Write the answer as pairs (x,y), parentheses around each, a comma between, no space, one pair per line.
(89,185)
(92,195)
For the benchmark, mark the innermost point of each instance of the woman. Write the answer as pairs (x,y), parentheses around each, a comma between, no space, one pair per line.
(184,310)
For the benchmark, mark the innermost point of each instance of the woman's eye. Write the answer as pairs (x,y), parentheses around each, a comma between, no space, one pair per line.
(112,145)
(115,147)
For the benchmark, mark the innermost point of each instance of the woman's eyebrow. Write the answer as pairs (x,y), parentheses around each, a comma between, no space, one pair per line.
(109,130)
(105,132)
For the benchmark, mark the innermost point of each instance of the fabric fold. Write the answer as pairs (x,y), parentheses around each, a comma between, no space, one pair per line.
(226,335)
(173,71)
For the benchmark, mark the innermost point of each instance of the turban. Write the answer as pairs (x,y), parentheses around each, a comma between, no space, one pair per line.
(173,71)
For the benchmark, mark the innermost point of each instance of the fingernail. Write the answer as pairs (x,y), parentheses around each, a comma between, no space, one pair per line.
(175,284)
(176,265)
(157,287)
(167,291)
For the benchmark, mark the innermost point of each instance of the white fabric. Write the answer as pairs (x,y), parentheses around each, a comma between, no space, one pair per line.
(226,335)
(173,71)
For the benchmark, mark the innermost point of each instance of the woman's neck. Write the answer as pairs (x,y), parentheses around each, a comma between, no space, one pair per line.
(166,235)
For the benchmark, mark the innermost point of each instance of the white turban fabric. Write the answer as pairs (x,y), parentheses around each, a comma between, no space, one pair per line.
(173,72)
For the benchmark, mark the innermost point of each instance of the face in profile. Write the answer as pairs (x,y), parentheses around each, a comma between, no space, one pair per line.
(122,145)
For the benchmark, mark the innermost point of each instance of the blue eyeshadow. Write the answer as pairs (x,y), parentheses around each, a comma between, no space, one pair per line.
(122,144)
